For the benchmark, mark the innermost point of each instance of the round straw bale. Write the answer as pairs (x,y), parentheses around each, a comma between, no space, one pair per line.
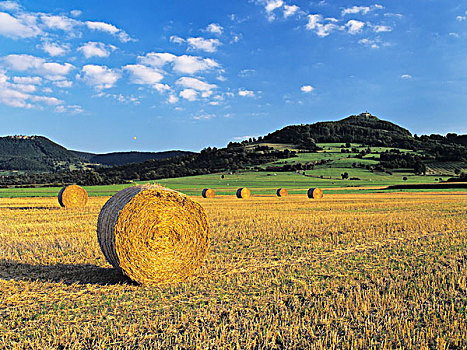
(154,235)
(243,192)
(72,196)
(315,193)
(208,193)
(282,192)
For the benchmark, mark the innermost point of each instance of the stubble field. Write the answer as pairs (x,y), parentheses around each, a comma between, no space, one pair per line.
(349,271)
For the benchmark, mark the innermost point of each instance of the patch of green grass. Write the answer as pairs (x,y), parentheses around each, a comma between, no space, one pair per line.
(259,182)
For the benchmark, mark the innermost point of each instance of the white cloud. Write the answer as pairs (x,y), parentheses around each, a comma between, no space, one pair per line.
(100,77)
(54,49)
(406,76)
(9,5)
(369,42)
(64,83)
(176,39)
(16,28)
(355,9)
(390,14)
(59,22)
(461,18)
(381,28)
(51,101)
(246,93)
(17,95)
(71,109)
(172,99)
(244,73)
(196,84)
(246,137)
(36,65)
(272,5)
(102,26)
(373,43)
(208,45)
(28,80)
(454,35)
(157,59)
(109,28)
(204,116)
(144,75)
(120,98)
(94,49)
(215,28)
(322,30)
(307,88)
(24,87)
(314,21)
(192,64)
(354,26)
(290,10)
(189,94)
(161,87)
(76,13)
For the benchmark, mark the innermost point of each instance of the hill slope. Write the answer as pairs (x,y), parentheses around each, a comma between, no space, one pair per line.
(122,158)
(38,153)
(33,153)
(364,128)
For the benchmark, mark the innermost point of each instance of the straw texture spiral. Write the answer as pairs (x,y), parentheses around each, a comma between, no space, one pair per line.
(243,192)
(72,196)
(208,193)
(154,235)
(282,192)
(315,193)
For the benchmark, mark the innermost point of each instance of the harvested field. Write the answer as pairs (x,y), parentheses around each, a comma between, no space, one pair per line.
(347,271)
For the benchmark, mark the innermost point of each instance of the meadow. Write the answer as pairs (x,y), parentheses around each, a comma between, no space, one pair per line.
(352,270)
(326,176)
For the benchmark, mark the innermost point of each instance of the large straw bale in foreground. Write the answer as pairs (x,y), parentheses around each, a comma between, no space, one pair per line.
(208,193)
(282,192)
(154,235)
(72,196)
(315,193)
(243,192)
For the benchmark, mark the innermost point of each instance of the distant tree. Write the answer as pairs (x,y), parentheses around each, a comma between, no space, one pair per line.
(404,178)
(345,176)
(419,168)
(347,144)
(222,176)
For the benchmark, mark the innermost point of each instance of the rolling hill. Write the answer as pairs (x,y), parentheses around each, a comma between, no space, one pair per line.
(122,158)
(38,153)
(362,142)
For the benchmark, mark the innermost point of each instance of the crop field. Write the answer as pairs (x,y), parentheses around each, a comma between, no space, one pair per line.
(261,183)
(349,271)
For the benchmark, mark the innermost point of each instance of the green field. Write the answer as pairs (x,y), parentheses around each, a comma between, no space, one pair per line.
(327,176)
(261,183)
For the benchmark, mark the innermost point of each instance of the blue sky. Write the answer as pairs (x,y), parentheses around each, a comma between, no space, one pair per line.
(106,76)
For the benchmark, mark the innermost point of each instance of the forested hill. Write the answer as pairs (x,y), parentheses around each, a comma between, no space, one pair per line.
(38,153)
(364,128)
(32,153)
(122,158)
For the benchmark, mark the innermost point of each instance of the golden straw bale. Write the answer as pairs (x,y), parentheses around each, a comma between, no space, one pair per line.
(72,196)
(154,235)
(282,192)
(315,193)
(208,193)
(243,192)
